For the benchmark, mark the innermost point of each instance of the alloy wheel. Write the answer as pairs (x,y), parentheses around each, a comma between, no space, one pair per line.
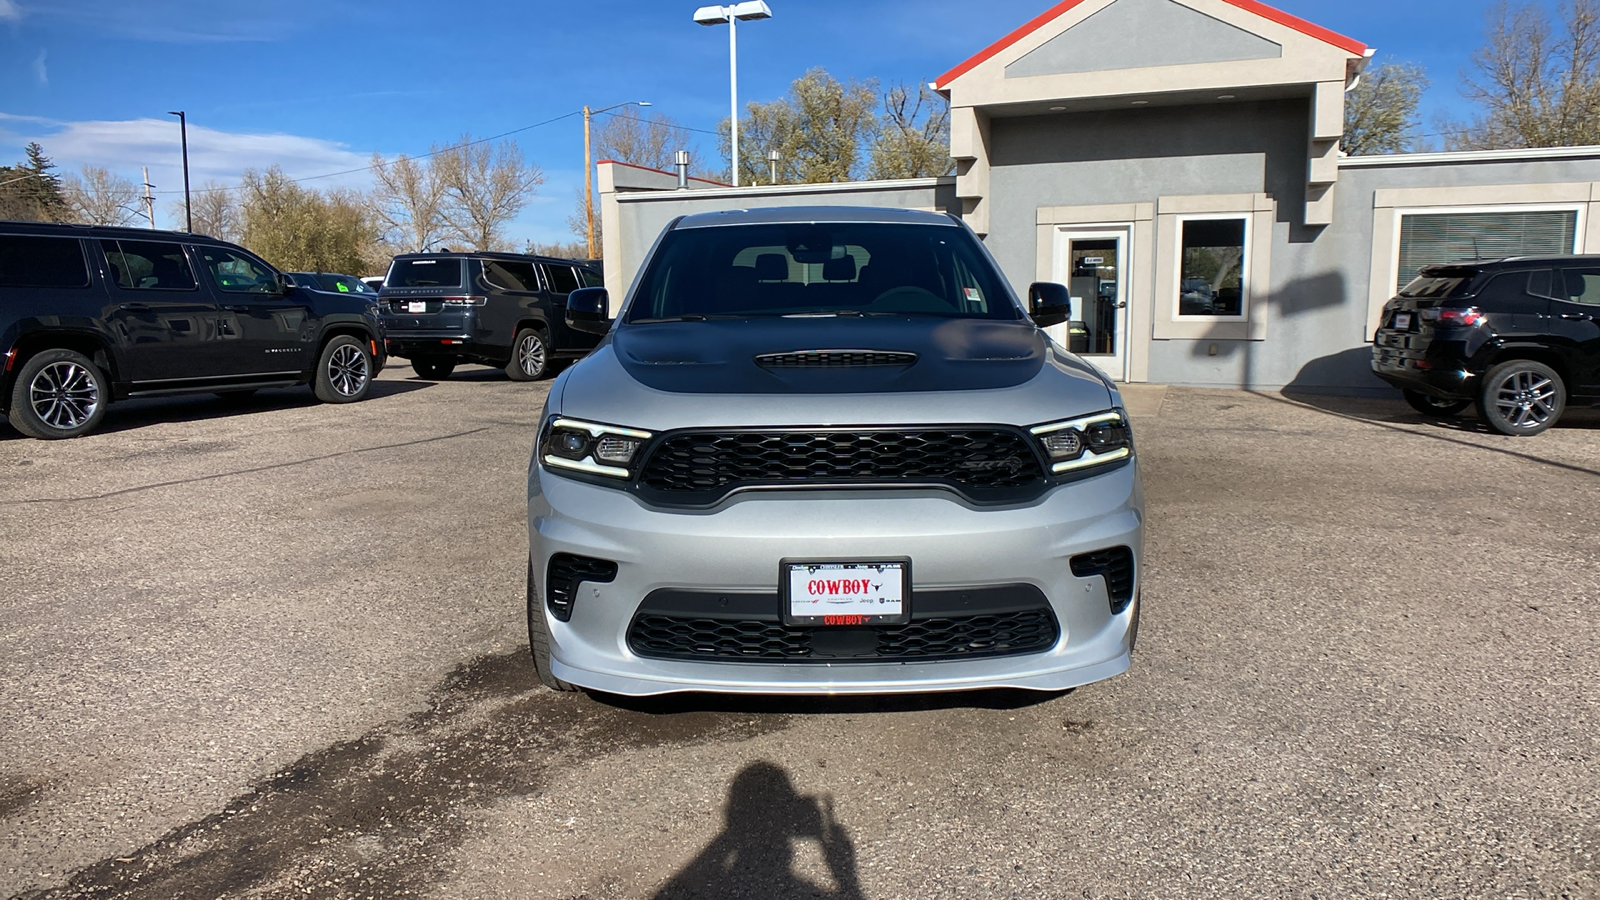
(64,395)
(1526,399)
(530,354)
(347,370)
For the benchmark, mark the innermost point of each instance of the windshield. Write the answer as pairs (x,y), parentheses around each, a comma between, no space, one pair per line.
(838,268)
(424,273)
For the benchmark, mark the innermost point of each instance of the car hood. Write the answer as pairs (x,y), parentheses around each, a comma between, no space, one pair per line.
(670,375)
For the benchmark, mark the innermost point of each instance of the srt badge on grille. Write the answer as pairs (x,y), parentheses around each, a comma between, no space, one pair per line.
(1010,464)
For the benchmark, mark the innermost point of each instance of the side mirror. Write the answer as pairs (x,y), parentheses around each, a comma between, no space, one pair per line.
(1049,303)
(285,284)
(587,309)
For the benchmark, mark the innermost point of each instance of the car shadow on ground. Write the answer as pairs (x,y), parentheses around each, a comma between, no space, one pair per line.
(1396,411)
(131,414)
(1396,415)
(849,704)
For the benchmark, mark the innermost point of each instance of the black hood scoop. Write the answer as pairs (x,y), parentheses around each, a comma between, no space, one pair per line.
(781,356)
(831,359)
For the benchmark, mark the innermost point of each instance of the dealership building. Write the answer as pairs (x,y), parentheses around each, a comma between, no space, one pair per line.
(1176,163)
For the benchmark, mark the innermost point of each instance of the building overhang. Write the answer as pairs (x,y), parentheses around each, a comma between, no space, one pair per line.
(1094,55)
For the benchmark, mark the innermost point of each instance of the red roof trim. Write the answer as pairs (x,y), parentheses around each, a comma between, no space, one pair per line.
(618,162)
(1349,45)
(988,53)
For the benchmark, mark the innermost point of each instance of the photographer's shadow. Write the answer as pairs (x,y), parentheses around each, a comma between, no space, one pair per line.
(754,854)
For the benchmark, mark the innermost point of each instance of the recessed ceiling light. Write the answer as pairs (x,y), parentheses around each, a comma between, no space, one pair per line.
(1057,108)
(1141,103)
(1225,97)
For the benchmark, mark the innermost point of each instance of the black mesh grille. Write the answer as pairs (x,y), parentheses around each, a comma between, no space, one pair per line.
(1116,565)
(566,572)
(975,460)
(924,640)
(821,359)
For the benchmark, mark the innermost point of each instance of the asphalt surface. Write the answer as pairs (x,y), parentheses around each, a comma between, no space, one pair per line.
(274,648)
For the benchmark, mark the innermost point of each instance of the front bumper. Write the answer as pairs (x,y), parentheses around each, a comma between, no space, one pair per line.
(737,546)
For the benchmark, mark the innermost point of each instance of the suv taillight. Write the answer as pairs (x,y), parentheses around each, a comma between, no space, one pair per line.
(1466,318)
(465,301)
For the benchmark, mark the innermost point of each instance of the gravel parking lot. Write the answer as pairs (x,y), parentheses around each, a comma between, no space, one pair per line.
(273,648)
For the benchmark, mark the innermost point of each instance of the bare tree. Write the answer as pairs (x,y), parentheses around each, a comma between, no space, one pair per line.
(913,137)
(820,131)
(98,197)
(484,187)
(569,250)
(1537,86)
(408,200)
(215,209)
(296,228)
(1380,114)
(643,142)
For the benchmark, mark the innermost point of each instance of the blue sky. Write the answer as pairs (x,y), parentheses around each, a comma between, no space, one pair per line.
(318,85)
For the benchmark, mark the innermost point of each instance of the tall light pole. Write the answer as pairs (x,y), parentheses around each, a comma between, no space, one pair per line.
(748,11)
(183,129)
(588,166)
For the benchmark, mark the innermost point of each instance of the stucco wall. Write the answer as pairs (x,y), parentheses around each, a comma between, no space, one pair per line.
(1320,277)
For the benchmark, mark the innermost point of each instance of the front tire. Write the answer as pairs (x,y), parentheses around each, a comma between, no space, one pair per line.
(1429,405)
(530,358)
(59,394)
(344,371)
(1522,398)
(539,640)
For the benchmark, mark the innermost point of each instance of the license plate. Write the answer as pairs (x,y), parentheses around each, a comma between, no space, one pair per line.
(417,306)
(1402,320)
(845,592)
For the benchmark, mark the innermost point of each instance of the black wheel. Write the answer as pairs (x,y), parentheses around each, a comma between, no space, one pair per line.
(530,358)
(1429,405)
(58,394)
(539,639)
(433,369)
(344,373)
(1522,398)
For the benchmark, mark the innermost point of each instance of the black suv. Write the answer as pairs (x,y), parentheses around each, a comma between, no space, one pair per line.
(90,314)
(505,310)
(1518,337)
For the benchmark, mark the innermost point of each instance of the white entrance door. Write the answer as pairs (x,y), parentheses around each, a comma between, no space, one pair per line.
(1092,261)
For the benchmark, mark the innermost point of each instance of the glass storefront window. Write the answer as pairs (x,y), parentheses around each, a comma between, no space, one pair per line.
(1211,268)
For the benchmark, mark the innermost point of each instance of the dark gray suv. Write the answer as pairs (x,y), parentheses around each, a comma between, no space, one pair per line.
(496,309)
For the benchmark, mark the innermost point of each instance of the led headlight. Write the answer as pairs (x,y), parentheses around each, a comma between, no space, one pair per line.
(1090,441)
(591,447)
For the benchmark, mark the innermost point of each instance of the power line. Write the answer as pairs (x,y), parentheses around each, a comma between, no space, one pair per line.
(495,137)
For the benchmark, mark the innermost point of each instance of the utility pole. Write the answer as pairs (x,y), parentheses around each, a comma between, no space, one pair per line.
(149,202)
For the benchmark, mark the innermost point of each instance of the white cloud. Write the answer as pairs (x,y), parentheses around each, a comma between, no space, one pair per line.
(39,71)
(125,146)
(9,11)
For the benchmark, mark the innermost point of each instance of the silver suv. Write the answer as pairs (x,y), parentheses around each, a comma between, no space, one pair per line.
(826,450)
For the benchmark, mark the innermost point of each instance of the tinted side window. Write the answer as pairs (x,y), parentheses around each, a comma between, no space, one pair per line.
(1580,286)
(149,265)
(42,262)
(238,274)
(562,278)
(591,278)
(511,276)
